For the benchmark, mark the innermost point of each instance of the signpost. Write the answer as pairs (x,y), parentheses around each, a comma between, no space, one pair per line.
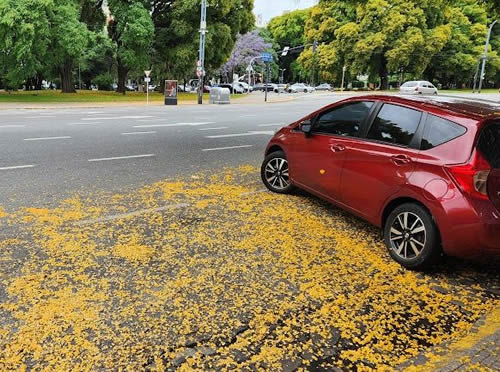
(267,58)
(147,80)
(200,70)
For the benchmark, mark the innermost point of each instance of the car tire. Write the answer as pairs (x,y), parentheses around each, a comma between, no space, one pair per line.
(274,173)
(412,237)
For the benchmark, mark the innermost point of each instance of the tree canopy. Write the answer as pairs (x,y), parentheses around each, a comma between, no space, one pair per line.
(437,39)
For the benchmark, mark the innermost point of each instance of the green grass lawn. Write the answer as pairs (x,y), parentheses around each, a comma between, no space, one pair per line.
(55,96)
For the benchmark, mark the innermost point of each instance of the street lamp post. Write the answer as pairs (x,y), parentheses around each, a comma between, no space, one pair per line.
(481,77)
(344,69)
(201,61)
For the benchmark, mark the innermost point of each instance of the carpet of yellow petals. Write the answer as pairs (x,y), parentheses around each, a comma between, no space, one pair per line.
(208,273)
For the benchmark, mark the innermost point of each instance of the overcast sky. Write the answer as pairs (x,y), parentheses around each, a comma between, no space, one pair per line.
(272,8)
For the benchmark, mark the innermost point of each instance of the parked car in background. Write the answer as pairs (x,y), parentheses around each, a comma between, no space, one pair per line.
(233,88)
(245,86)
(300,88)
(324,86)
(241,85)
(184,88)
(280,88)
(432,166)
(418,87)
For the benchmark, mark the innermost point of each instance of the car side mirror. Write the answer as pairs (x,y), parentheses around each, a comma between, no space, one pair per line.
(306,127)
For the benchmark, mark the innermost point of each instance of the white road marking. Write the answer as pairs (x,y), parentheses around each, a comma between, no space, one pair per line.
(93,123)
(213,128)
(123,157)
(174,125)
(47,138)
(130,215)
(132,133)
(251,133)
(17,167)
(118,118)
(228,148)
(271,125)
(12,126)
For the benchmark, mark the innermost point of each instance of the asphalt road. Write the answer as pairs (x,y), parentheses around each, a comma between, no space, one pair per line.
(46,155)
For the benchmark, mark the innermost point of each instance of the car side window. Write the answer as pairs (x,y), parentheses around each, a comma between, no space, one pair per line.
(345,120)
(439,131)
(395,124)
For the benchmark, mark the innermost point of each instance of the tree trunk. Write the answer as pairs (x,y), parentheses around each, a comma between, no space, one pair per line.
(67,76)
(38,84)
(383,73)
(122,77)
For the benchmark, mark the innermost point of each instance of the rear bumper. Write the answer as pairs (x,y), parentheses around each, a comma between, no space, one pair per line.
(470,229)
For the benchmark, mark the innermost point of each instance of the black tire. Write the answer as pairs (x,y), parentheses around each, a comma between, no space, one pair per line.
(414,243)
(274,173)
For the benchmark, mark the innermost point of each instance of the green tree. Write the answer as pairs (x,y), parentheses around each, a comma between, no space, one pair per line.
(176,41)
(288,30)
(131,29)
(38,36)
(457,61)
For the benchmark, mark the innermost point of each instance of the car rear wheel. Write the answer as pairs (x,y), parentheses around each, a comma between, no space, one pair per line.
(411,236)
(275,174)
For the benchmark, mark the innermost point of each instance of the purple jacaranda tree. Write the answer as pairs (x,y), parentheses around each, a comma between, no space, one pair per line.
(247,46)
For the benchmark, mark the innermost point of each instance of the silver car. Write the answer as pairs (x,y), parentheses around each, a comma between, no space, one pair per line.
(418,87)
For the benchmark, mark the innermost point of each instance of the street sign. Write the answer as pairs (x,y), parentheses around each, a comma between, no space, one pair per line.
(147,73)
(285,51)
(267,57)
(198,63)
(147,80)
(199,72)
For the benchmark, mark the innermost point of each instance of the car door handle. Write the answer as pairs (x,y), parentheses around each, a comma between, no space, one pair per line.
(337,148)
(400,159)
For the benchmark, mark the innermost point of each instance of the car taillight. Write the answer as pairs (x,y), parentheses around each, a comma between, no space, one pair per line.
(472,178)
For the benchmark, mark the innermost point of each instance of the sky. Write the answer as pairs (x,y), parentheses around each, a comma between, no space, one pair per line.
(273,8)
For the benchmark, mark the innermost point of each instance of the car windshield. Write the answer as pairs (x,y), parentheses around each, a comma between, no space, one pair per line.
(409,84)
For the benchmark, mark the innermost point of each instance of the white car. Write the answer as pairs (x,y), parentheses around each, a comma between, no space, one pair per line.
(245,86)
(300,88)
(418,87)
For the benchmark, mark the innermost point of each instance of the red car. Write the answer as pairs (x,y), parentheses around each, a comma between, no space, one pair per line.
(425,170)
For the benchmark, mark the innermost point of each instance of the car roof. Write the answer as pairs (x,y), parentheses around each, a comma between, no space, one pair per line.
(471,108)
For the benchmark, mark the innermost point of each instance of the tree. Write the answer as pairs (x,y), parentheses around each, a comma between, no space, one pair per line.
(246,48)
(456,63)
(288,31)
(131,29)
(177,38)
(38,36)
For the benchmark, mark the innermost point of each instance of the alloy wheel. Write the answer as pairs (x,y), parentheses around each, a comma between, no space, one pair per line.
(408,235)
(276,173)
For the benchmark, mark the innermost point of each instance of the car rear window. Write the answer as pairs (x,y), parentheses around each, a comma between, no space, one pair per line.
(489,144)
(409,84)
(395,124)
(439,131)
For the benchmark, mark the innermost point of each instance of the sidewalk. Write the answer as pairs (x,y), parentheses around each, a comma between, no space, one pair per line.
(477,351)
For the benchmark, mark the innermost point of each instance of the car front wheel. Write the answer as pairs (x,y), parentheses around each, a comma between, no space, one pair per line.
(275,173)
(411,236)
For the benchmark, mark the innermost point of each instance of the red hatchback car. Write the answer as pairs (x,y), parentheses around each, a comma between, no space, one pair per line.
(425,170)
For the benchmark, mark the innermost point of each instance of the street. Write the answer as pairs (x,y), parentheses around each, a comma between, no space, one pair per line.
(141,238)
(55,152)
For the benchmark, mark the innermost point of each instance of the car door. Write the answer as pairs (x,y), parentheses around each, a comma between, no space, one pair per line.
(379,165)
(316,160)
